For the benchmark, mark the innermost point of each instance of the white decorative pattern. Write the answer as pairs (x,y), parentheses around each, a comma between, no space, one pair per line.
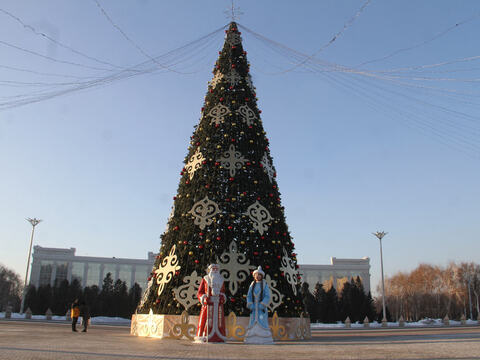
(187,294)
(203,211)
(146,293)
(259,216)
(248,81)
(233,77)
(232,160)
(235,267)
(268,167)
(276,297)
(234,38)
(216,79)
(167,269)
(247,114)
(289,271)
(194,163)
(218,114)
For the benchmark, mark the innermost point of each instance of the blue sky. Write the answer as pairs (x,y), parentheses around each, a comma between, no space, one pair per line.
(354,153)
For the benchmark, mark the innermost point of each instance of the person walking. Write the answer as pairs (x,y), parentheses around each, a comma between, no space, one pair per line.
(85,314)
(75,313)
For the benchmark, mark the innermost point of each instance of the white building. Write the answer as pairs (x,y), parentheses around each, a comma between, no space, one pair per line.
(53,265)
(337,273)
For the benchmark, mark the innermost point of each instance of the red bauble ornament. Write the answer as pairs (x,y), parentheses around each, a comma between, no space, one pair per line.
(174,198)
(246,99)
(258,198)
(267,267)
(217,164)
(200,246)
(231,179)
(219,238)
(255,253)
(200,234)
(232,299)
(177,273)
(233,66)
(221,99)
(158,301)
(279,257)
(196,261)
(227,199)
(185,242)
(207,186)
(176,228)
(197,143)
(231,87)
(217,125)
(187,182)
(262,237)
(229,227)
(233,140)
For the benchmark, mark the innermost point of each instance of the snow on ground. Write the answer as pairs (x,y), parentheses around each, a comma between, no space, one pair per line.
(105,320)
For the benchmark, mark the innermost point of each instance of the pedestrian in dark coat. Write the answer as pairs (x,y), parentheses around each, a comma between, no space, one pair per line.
(75,313)
(85,313)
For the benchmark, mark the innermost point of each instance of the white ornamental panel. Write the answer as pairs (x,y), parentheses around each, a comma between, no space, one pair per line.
(248,115)
(218,114)
(232,160)
(203,211)
(248,81)
(216,79)
(289,271)
(233,77)
(167,269)
(235,267)
(187,293)
(259,216)
(276,296)
(234,38)
(268,167)
(194,163)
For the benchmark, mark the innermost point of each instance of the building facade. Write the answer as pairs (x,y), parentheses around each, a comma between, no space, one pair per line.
(53,265)
(337,273)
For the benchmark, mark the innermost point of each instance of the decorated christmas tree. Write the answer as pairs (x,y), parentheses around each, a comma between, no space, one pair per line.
(228,208)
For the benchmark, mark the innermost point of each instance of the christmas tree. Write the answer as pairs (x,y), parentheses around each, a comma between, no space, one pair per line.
(227,209)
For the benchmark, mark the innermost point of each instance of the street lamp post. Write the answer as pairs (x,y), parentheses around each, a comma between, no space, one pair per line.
(380,236)
(34,223)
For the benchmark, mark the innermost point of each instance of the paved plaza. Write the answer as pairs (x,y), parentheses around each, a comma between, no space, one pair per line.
(46,340)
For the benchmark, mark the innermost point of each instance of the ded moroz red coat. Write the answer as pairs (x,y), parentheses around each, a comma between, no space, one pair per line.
(212,330)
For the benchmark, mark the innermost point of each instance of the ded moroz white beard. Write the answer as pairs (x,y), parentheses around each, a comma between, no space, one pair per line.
(216,282)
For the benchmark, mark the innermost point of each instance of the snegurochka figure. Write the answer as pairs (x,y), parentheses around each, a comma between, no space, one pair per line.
(258,298)
(211,294)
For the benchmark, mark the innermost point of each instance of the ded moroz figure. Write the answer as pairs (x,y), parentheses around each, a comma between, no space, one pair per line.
(211,294)
(258,298)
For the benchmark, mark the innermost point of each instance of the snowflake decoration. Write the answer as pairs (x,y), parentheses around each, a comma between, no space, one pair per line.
(276,297)
(247,114)
(233,77)
(234,39)
(146,293)
(167,269)
(187,294)
(248,81)
(235,267)
(194,163)
(216,79)
(218,114)
(268,167)
(203,211)
(170,217)
(232,160)
(259,216)
(291,273)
